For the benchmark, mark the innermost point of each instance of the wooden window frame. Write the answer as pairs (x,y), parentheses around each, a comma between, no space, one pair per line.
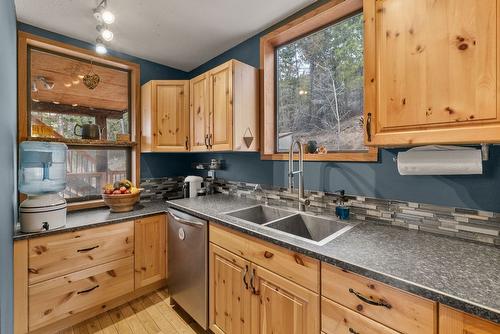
(26,40)
(314,20)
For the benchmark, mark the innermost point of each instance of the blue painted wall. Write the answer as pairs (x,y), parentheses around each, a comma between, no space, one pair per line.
(8,133)
(379,179)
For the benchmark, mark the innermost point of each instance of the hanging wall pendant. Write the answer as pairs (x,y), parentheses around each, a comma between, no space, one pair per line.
(248,137)
(91,79)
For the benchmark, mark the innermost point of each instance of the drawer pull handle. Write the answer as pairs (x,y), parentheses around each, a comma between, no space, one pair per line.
(268,255)
(298,259)
(252,276)
(85,250)
(352,331)
(245,277)
(88,290)
(370,301)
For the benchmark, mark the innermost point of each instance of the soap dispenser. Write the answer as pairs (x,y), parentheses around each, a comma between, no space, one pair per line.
(341,209)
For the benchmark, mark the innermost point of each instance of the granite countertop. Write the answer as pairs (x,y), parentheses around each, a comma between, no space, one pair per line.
(82,219)
(455,272)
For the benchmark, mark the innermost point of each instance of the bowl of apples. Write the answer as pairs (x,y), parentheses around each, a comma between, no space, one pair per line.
(121,196)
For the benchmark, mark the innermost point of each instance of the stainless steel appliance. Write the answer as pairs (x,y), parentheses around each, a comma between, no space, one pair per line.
(188,264)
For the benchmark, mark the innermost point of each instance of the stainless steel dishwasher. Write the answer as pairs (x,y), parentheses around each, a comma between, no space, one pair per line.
(188,264)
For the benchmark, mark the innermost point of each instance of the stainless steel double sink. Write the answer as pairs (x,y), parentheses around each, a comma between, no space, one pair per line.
(317,230)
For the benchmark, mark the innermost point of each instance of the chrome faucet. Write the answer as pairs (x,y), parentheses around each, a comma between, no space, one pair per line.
(291,173)
(258,188)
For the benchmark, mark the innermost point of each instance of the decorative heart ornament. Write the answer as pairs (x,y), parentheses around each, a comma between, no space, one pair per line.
(91,80)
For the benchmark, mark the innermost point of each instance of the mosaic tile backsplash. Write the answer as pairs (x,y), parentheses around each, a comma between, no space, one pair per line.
(475,225)
(480,226)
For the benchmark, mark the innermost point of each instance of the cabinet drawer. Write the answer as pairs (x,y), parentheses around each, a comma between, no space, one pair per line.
(397,309)
(64,296)
(296,267)
(336,318)
(60,254)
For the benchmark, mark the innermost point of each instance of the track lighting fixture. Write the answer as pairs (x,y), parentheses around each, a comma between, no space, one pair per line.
(104,17)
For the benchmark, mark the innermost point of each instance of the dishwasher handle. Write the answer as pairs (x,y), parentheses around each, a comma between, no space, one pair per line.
(185,221)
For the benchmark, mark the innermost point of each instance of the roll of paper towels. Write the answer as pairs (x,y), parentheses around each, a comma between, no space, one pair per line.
(440,160)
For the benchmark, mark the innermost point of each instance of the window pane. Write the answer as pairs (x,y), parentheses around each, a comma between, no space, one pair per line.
(88,170)
(61,97)
(320,88)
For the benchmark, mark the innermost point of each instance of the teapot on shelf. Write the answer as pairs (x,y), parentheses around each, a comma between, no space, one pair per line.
(89,131)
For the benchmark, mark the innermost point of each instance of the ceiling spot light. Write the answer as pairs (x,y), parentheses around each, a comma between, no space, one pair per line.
(106,34)
(67,84)
(100,48)
(75,82)
(80,76)
(107,16)
(74,105)
(56,102)
(101,13)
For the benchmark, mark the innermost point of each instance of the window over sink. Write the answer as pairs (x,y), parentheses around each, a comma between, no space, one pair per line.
(314,85)
(319,88)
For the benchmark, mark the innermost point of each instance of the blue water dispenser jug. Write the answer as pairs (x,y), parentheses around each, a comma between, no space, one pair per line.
(42,176)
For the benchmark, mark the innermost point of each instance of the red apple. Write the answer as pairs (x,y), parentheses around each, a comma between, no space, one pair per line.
(116,192)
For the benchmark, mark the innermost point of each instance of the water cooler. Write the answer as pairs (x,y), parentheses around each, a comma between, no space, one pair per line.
(42,175)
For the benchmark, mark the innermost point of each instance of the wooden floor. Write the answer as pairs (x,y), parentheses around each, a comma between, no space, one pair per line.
(149,314)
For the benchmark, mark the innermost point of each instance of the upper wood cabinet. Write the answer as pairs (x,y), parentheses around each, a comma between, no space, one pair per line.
(224,109)
(150,250)
(199,101)
(165,116)
(431,72)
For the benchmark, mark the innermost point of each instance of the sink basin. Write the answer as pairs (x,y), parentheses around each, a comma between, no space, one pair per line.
(260,214)
(316,229)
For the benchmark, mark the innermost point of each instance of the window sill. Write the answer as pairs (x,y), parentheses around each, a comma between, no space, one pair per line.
(85,142)
(98,203)
(369,156)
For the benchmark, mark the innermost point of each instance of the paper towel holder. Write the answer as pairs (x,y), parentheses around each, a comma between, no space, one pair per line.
(485,153)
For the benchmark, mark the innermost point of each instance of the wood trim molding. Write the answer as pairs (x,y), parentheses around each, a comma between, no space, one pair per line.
(312,21)
(25,40)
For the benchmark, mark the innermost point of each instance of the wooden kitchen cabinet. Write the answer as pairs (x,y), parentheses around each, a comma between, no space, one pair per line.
(280,306)
(199,102)
(224,109)
(452,321)
(165,116)
(150,250)
(247,297)
(432,72)
(229,297)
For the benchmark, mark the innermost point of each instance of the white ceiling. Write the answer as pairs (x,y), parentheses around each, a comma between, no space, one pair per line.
(179,33)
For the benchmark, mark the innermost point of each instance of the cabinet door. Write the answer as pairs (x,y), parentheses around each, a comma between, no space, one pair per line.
(150,250)
(229,294)
(170,116)
(280,306)
(455,322)
(199,101)
(431,71)
(221,108)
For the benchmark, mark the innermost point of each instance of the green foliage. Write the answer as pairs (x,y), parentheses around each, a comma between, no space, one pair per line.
(320,85)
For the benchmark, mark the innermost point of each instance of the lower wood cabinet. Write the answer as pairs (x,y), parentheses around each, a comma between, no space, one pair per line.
(336,318)
(396,309)
(247,298)
(63,296)
(150,250)
(452,321)
(230,296)
(281,306)
(65,278)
